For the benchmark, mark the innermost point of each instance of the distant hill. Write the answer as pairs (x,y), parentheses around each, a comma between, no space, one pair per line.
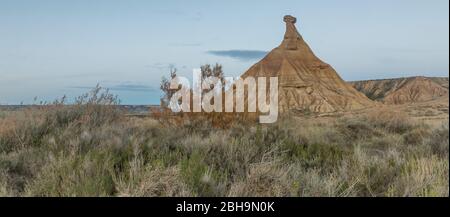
(404,90)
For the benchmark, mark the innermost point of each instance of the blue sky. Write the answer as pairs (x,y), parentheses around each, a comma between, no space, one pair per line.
(50,48)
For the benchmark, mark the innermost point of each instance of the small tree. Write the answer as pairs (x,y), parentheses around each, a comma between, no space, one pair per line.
(215,71)
(165,88)
(216,119)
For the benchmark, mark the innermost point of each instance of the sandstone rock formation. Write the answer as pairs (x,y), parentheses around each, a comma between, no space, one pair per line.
(441,81)
(305,82)
(404,90)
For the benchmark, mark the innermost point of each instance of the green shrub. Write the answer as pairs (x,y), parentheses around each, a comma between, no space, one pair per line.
(198,176)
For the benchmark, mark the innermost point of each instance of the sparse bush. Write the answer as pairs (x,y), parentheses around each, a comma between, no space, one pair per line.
(263,180)
(142,180)
(421,177)
(393,122)
(416,136)
(199,177)
(439,142)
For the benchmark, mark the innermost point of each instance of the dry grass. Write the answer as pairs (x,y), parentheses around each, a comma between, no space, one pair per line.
(89,149)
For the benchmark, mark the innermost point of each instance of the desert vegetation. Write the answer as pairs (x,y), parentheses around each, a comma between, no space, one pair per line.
(91,148)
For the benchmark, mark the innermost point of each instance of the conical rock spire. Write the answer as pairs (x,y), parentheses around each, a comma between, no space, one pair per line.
(306,83)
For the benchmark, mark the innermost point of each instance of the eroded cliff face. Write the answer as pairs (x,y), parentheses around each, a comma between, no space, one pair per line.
(306,83)
(441,81)
(404,90)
